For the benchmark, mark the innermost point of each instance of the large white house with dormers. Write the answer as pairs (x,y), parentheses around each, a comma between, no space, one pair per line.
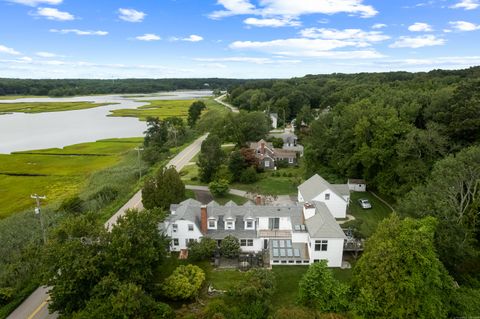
(301,233)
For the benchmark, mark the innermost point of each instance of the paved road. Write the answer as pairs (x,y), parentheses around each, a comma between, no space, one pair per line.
(231,107)
(35,306)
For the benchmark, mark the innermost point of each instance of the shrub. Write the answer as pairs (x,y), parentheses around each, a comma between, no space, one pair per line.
(6,295)
(230,247)
(202,250)
(184,282)
(219,188)
(73,205)
(281,163)
(105,195)
(249,176)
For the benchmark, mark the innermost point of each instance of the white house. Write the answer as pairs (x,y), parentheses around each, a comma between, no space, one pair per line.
(292,235)
(274,118)
(335,196)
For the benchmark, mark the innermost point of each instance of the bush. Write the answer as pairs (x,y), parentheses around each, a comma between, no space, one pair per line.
(230,247)
(203,249)
(105,195)
(184,282)
(219,188)
(249,176)
(6,295)
(73,205)
(281,163)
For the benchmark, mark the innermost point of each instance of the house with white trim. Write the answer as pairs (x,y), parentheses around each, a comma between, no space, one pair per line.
(267,155)
(298,234)
(336,197)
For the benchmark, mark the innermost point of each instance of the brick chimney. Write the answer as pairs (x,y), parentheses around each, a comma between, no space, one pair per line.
(203,220)
(258,200)
(262,148)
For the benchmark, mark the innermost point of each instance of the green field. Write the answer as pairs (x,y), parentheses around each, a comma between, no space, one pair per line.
(56,173)
(166,108)
(15,97)
(41,107)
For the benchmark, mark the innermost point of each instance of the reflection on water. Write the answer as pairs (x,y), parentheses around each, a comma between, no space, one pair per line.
(20,131)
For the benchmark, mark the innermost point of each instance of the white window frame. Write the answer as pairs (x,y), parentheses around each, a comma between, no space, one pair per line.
(214,224)
(267,163)
(190,227)
(175,242)
(174,228)
(327,196)
(229,224)
(321,245)
(246,242)
(290,160)
(249,221)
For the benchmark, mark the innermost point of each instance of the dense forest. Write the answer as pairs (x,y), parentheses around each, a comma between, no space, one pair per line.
(413,136)
(69,87)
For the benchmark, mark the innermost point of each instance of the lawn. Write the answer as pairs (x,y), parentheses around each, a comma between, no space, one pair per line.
(366,219)
(56,173)
(239,200)
(40,107)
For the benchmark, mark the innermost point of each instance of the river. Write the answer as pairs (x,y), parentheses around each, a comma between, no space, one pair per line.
(31,131)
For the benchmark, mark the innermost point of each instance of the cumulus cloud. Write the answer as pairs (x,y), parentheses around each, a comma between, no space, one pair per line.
(420,27)
(289,8)
(379,26)
(148,37)
(131,15)
(272,22)
(55,14)
(34,3)
(359,37)
(464,26)
(253,60)
(79,32)
(418,42)
(466,4)
(190,38)
(44,54)
(7,50)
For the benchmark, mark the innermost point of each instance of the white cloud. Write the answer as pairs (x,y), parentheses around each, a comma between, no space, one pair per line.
(80,32)
(54,14)
(34,3)
(131,15)
(420,27)
(417,42)
(304,47)
(379,26)
(7,50)
(44,54)
(253,60)
(466,4)
(464,26)
(360,37)
(193,38)
(289,8)
(272,22)
(148,37)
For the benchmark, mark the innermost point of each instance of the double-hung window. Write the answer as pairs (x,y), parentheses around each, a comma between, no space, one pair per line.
(246,242)
(321,245)
(274,223)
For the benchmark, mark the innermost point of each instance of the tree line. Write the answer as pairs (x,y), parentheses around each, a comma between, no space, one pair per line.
(70,87)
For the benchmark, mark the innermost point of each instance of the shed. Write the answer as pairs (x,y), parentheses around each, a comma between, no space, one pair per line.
(357,185)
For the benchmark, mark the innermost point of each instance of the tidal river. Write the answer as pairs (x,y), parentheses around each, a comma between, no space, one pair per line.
(22,131)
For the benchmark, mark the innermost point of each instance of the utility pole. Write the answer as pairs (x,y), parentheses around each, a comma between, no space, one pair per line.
(39,213)
(138,149)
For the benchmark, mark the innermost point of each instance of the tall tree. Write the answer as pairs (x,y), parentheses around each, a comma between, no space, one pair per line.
(399,274)
(164,189)
(194,112)
(210,158)
(156,136)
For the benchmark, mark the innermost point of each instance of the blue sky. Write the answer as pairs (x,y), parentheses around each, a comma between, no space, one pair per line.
(234,38)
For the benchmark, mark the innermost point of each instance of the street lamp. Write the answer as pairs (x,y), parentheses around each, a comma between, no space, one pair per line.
(39,213)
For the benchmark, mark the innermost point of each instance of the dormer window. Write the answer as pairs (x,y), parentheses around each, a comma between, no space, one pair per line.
(212,223)
(190,227)
(249,224)
(174,228)
(327,196)
(229,224)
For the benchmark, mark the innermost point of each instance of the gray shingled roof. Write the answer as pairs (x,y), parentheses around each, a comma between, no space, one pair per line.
(323,224)
(315,185)
(342,189)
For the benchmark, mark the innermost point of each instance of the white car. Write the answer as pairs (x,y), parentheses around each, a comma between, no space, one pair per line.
(364,203)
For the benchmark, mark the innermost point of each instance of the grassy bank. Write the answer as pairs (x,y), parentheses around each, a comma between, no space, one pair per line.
(166,108)
(41,107)
(56,173)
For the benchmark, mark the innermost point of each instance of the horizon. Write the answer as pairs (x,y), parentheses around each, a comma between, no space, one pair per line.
(234,39)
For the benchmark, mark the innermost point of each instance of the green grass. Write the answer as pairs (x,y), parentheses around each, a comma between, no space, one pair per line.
(157,108)
(224,279)
(40,107)
(366,219)
(15,97)
(268,184)
(287,284)
(56,173)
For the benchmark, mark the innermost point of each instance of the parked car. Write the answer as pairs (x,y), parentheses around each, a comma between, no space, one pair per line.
(364,203)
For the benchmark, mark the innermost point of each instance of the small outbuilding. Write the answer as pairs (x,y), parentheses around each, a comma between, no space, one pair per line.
(357,185)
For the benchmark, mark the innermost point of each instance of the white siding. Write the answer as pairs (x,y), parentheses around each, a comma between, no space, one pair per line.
(333,254)
(257,246)
(337,205)
(300,197)
(182,233)
(300,237)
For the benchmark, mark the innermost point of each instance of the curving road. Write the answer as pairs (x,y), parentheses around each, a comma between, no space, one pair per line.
(231,107)
(36,305)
